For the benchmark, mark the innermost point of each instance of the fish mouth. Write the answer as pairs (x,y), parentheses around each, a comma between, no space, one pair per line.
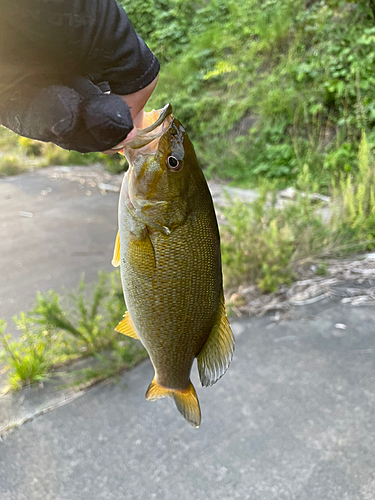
(152,132)
(144,145)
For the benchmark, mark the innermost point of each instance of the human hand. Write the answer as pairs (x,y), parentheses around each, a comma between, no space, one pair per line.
(136,103)
(57,65)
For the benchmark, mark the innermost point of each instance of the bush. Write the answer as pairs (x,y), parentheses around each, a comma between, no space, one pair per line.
(304,75)
(264,242)
(30,147)
(11,165)
(29,359)
(53,335)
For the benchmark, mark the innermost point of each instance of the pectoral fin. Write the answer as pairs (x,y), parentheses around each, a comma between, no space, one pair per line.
(186,400)
(217,353)
(126,327)
(116,252)
(142,254)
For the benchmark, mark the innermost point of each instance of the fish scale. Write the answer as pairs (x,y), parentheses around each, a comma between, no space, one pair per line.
(180,266)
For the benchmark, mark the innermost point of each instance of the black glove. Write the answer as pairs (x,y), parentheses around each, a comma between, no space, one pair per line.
(58,60)
(78,116)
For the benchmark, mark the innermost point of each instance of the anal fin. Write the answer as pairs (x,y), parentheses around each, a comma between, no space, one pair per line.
(217,353)
(126,327)
(186,400)
(116,259)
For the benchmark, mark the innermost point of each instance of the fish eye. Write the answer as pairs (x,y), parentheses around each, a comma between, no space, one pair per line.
(174,163)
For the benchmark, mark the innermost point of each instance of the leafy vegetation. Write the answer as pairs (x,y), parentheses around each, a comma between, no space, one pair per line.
(275,93)
(53,336)
(30,359)
(19,154)
(266,87)
(264,242)
(11,165)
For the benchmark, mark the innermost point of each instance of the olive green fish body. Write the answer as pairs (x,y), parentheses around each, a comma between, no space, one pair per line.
(173,311)
(169,252)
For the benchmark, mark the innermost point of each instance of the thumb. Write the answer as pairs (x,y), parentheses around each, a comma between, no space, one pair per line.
(104,119)
(107,121)
(60,114)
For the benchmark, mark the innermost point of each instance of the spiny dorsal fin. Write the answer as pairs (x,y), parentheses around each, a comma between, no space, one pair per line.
(186,400)
(217,353)
(116,252)
(126,327)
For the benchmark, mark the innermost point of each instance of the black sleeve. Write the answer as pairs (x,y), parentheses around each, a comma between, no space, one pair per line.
(46,42)
(57,58)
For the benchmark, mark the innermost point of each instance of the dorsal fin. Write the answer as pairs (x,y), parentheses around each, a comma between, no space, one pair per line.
(126,327)
(116,252)
(217,353)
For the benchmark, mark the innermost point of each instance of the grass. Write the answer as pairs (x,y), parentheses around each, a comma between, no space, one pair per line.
(265,87)
(8,140)
(263,243)
(28,360)
(19,154)
(54,336)
(11,165)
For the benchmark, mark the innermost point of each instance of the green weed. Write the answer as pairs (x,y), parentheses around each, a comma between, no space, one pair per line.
(88,319)
(8,140)
(46,154)
(29,359)
(322,269)
(356,192)
(263,243)
(265,87)
(11,165)
(30,147)
(55,336)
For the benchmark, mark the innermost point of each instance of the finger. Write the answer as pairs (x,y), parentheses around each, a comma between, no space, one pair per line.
(83,86)
(119,147)
(137,101)
(63,116)
(42,113)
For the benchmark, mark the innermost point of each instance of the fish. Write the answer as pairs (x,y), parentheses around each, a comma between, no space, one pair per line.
(168,250)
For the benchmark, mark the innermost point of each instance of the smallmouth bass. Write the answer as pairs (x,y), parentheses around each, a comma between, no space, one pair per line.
(168,247)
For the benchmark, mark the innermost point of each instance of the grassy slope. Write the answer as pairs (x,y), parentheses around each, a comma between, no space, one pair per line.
(265,87)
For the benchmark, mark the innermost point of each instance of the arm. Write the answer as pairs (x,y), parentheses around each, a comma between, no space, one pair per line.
(58,60)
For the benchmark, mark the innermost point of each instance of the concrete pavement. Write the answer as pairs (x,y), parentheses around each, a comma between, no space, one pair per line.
(293,419)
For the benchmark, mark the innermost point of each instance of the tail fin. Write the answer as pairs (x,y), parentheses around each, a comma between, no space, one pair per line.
(186,400)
